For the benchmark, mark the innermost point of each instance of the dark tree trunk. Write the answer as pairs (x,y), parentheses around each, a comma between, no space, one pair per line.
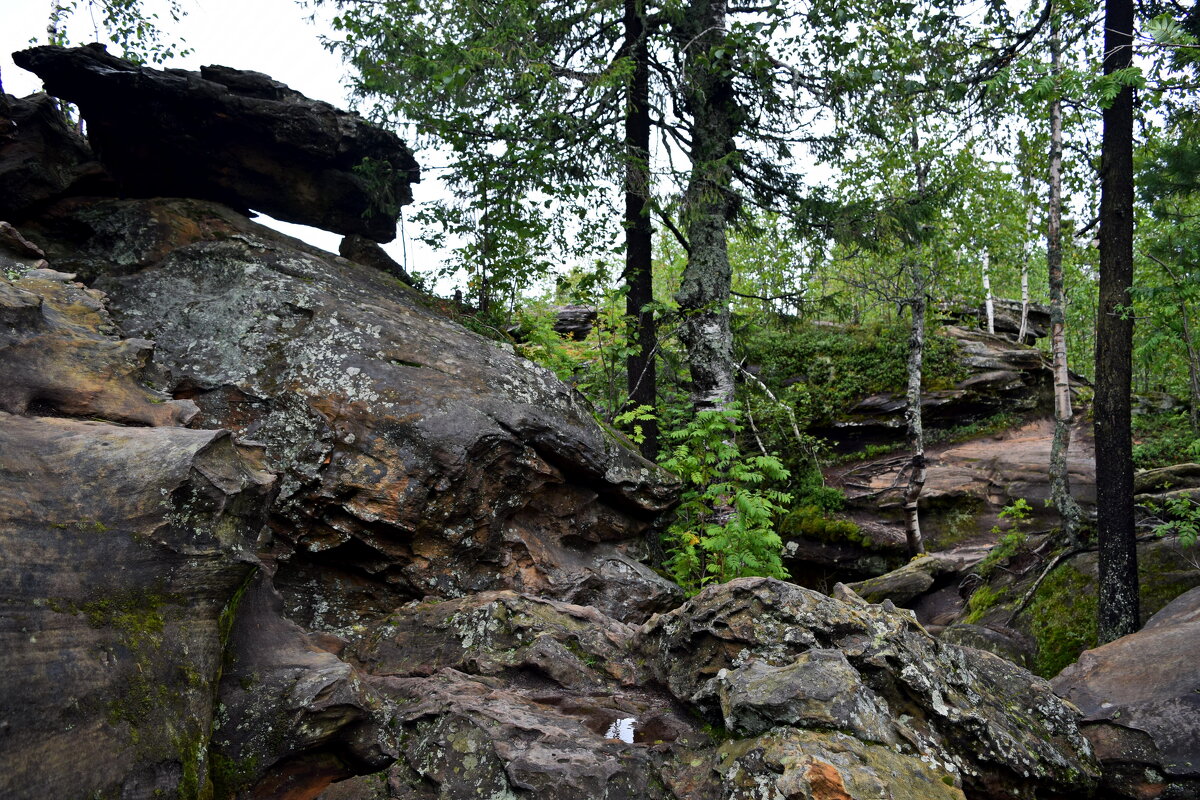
(1114,345)
(639,365)
(709,206)
(1060,485)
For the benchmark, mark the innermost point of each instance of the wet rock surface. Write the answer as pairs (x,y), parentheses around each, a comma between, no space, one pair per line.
(263,147)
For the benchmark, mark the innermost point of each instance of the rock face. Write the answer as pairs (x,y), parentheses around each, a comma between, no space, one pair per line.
(416,458)
(752,689)
(123,548)
(1003,376)
(1140,697)
(969,483)
(761,653)
(57,353)
(263,146)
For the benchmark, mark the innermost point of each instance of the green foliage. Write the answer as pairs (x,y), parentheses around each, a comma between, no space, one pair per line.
(1161,440)
(817,524)
(1012,540)
(828,368)
(1180,516)
(1063,618)
(128,23)
(724,526)
(981,601)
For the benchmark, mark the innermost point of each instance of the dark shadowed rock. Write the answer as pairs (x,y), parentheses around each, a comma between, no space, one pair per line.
(417,458)
(905,584)
(236,137)
(123,547)
(574,321)
(364,251)
(42,157)
(294,716)
(1140,697)
(757,652)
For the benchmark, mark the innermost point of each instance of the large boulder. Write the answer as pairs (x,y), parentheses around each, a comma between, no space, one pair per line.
(417,458)
(294,717)
(233,136)
(1140,697)
(58,353)
(756,653)
(507,695)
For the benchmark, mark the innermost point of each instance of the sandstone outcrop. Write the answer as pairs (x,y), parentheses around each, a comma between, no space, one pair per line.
(416,458)
(760,654)
(1140,697)
(42,157)
(263,146)
(124,548)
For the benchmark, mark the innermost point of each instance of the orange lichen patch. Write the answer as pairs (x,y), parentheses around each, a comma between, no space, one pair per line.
(825,781)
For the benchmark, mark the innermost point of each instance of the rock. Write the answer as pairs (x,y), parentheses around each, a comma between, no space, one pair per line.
(18,254)
(757,652)
(905,584)
(574,320)
(123,550)
(969,483)
(294,716)
(503,694)
(366,252)
(1008,643)
(1140,697)
(498,634)
(264,146)
(1006,317)
(59,354)
(416,458)
(42,157)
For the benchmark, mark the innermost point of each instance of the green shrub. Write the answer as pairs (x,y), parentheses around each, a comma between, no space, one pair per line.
(1161,440)
(724,526)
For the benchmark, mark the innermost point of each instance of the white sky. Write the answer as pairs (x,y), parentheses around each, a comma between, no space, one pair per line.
(271,36)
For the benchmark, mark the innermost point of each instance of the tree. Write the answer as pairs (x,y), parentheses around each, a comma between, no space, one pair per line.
(1060,487)
(1118,606)
(133,29)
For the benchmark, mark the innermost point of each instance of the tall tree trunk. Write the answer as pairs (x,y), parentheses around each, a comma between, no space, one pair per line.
(640,365)
(988,305)
(709,206)
(915,363)
(912,413)
(1118,612)
(1024,327)
(1060,485)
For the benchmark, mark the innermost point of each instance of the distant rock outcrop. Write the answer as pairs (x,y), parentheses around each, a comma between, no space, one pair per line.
(232,136)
